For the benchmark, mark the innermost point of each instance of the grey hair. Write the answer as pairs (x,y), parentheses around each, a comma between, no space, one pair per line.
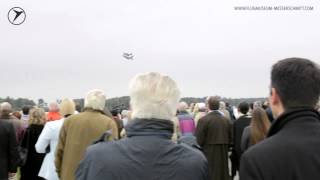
(153,95)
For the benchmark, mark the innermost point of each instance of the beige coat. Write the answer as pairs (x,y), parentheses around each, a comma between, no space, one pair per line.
(77,133)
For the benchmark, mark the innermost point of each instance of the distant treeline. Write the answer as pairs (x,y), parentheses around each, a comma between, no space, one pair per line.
(118,103)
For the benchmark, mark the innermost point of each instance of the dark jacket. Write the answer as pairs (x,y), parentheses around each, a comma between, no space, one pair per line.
(146,153)
(291,150)
(34,160)
(238,127)
(8,150)
(245,139)
(214,128)
(17,124)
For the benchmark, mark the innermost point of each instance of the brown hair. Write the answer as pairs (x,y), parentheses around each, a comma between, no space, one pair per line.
(213,102)
(260,125)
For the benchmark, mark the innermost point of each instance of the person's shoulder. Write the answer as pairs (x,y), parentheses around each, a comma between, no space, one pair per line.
(191,155)
(265,150)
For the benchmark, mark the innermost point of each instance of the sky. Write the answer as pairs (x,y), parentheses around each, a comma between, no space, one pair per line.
(65,48)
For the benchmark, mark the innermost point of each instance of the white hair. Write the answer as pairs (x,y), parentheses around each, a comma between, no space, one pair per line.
(5,107)
(54,106)
(153,95)
(201,106)
(182,106)
(95,99)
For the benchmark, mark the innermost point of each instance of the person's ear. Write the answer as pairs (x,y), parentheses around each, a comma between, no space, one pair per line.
(274,97)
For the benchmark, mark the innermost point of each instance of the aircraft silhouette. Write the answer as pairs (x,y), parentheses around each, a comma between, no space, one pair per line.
(128,56)
(18,13)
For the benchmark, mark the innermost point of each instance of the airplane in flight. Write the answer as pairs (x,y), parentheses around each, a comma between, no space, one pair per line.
(128,56)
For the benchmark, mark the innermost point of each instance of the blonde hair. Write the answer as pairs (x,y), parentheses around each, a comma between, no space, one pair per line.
(153,95)
(67,107)
(37,116)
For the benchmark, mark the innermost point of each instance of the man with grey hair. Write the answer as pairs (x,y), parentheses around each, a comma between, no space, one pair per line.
(147,152)
(81,130)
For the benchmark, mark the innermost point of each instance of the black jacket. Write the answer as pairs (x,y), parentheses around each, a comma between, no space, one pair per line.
(8,149)
(147,153)
(34,160)
(291,151)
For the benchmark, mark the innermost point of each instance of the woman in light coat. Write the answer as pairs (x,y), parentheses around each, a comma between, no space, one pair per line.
(49,137)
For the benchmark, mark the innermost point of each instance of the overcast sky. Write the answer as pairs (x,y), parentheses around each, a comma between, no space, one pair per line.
(66,48)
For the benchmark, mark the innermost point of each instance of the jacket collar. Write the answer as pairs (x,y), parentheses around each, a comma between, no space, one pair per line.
(150,127)
(290,116)
(93,110)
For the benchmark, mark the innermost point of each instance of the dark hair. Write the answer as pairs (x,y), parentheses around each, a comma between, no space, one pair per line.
(243,107)
(25,110)
(297,81)
(214,103)
(114,112)
(78,108)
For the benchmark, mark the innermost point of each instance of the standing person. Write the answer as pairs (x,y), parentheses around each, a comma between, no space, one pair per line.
(117,120)
(8,150)
(202,111)
(34,160)
(49,138)
(5,114)
(214,135)
(186,122)
(147,152)
(25,116)
(81,130)
(292,147)
(53,113)
(257,131)
(238,127)
(224,110)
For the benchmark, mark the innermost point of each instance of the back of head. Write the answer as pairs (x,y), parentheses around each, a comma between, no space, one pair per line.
(17,114)
(67,107)
(53,107)
(243,107)
(260,125)
(183,106)
(153,95)
(213,102)
(257,104)
(5,108)
(222,105)
(25,110)
(37,116)
(95,99)
(201,106)
(297,82)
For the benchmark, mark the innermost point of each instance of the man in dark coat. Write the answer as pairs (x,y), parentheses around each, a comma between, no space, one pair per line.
(148,151)
(8,150)
(238,127)
(292,148)
(214,135)
(5,114)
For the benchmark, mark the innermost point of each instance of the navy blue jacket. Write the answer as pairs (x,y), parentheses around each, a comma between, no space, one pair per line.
(147,153)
